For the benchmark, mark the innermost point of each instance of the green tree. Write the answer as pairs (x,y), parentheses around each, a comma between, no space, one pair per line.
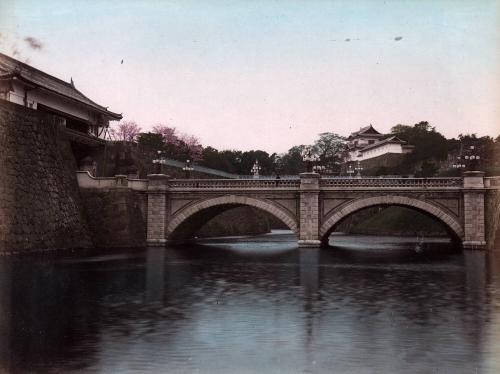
(227,160)
(330,148)
(400,129)
(291,162)
(427,141)
(150,141)
(265,162)
(424,126)
(427,170)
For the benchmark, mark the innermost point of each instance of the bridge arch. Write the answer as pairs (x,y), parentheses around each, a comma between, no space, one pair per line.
(450,222)
(228,200)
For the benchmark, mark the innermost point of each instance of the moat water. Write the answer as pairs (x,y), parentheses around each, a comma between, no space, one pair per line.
(254,305)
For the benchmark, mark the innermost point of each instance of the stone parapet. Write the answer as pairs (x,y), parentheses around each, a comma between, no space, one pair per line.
(87,181)
(474,179)
(158,182)
(309,181)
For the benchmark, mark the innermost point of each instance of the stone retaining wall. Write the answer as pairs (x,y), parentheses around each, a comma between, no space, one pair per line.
(492,221)
(39,199)
(116,217)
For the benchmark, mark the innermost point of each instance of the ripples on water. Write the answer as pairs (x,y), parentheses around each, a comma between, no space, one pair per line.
(259,304)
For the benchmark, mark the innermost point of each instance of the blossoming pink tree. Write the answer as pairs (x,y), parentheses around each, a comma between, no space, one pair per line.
(125,131)
(179,145)
(168,133)
(193,147)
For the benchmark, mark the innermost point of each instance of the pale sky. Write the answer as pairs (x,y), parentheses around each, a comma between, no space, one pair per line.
(271,74)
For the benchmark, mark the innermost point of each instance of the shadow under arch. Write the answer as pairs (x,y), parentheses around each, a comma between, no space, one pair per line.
(452,225)
(190,219)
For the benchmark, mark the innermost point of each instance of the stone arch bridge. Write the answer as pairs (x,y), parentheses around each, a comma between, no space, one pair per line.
(310,206)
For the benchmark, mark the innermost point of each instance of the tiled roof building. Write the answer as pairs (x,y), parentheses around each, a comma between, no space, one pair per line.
(27,86)
(368,143)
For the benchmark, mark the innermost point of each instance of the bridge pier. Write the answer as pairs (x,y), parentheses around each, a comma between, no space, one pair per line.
(157,209)
(309,210)
(474,212)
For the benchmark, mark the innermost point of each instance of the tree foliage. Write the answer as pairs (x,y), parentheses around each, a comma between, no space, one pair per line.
(432,151)
(150,141)
(178,145)
(290,163)
(238,162)
(168,133)
(428,169)
(427,141)
(330,147)
(125,131)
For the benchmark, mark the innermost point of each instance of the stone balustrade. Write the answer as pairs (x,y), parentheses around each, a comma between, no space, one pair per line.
(85,180)
(492,182)
(392,182)
(234,183)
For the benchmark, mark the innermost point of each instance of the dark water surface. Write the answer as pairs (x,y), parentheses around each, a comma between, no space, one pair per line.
(258,305)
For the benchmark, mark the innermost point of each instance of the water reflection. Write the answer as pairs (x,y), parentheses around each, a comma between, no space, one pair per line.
(253,304)
(155,274)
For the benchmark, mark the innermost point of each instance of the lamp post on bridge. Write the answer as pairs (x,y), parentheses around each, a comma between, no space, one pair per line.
(472,157)
(470,160)
(358,168)
(350,170)
(458,164)
(157,162)
(256,169)
(309,158)
(188,168)
(320,169)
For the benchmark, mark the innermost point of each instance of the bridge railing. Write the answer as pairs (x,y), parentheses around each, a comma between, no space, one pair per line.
(85,180)
(325,183)
(393,182)
(492,182)
(234,183)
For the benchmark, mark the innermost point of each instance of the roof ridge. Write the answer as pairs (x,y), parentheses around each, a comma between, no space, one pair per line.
(363,129)
(383,141)
(28,73)
(38,70)
(92,101)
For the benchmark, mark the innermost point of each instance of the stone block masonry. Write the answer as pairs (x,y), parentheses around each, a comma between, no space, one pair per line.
(116,217)
(492,219)
(474,222)
(157,209)
(39,197)
(311,207)
(474,219)
(309,210)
